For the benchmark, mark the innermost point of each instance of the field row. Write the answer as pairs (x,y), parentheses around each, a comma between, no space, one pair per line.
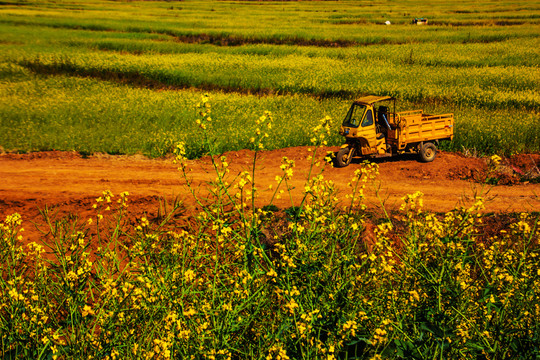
(490,87)
(508,51)
(89,115)
(399,34)
(323,23)
(495,78)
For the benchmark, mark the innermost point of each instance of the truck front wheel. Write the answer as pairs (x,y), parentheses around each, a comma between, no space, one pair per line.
(344,156)
(428,151)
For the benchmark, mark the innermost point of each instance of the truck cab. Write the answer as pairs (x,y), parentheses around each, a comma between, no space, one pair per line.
(367,126)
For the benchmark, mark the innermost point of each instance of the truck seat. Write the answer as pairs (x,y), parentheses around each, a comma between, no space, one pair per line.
(382,117)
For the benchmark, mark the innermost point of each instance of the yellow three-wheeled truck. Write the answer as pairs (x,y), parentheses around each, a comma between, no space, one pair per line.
(372,130)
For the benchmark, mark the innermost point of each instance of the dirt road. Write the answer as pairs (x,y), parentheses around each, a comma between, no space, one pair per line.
(70,183)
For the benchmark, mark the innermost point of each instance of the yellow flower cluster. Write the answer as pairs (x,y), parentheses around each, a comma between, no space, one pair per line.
(264,121)
(180,156)
(204,109)
(276,352)
(367,174)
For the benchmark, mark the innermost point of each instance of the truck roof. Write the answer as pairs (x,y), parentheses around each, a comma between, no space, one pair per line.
(371,99)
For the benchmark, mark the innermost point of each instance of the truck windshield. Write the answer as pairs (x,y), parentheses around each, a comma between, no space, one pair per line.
(354,116)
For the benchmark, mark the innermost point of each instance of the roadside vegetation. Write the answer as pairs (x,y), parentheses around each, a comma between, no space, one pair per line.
(117,77)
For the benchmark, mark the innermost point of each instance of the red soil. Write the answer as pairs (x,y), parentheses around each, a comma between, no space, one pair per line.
(69,183)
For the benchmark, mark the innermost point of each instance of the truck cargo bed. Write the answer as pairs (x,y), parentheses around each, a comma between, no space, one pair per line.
(412,127)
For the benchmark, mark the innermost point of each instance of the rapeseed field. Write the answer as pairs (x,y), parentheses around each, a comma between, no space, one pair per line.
(61,63)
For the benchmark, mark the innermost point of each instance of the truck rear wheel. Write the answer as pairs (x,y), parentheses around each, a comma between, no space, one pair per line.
(428,152)
(344,157)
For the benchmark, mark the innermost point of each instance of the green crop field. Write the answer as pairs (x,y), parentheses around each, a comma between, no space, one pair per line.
(122,77)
